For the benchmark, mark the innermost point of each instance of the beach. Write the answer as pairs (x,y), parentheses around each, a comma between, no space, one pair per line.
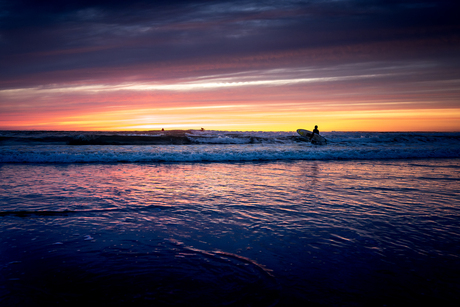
(269,233)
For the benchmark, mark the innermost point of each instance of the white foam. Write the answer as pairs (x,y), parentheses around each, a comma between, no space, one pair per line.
(220,140)
(220,153)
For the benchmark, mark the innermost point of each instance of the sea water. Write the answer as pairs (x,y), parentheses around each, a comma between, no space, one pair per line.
(218,218)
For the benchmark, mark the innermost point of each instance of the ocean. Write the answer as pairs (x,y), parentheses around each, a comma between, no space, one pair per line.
(224,218)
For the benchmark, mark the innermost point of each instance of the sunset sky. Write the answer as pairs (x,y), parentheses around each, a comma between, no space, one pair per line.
(344,65)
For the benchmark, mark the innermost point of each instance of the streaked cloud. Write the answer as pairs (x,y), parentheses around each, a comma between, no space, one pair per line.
(208,84)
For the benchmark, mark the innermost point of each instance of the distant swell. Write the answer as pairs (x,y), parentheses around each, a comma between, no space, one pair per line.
(175,137)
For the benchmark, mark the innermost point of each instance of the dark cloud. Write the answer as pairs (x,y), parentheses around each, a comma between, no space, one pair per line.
(46,38)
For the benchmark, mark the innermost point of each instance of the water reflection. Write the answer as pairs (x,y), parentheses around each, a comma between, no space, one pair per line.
(284,232)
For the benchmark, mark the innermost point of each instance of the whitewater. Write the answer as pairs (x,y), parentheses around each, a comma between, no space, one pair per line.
(219,146)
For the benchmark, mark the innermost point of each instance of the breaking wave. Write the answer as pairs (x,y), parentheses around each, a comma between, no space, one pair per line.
(218,146)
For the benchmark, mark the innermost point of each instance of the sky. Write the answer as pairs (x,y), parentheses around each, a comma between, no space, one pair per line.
(344,65)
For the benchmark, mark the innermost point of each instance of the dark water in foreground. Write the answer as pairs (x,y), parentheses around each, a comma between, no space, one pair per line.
(319,233)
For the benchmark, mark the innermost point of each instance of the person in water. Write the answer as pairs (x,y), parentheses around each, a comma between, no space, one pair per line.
(314,131)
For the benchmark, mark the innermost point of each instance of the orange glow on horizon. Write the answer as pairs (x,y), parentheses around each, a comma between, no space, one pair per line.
(249,118)
(334,104)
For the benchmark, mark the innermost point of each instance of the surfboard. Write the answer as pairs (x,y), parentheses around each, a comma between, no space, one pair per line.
(317,139)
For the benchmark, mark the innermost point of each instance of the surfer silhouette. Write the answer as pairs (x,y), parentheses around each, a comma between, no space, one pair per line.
(314,131)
